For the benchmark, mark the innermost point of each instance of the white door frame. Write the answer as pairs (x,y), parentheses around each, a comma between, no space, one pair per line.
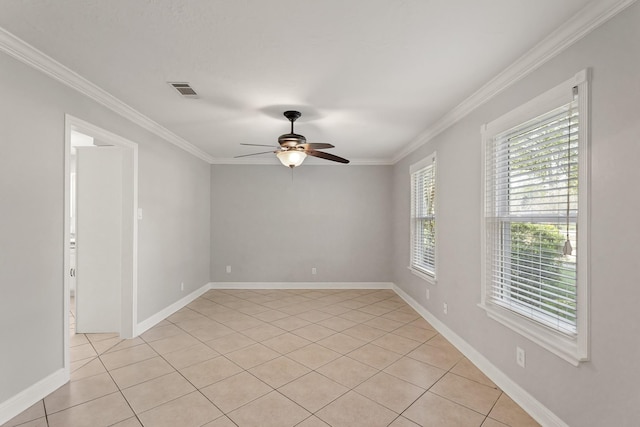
(129,310)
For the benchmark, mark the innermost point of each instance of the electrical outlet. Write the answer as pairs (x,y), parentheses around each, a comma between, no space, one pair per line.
(313,270)
(182,286)
(445,308)
(428,296)
(228,269)
(520,357)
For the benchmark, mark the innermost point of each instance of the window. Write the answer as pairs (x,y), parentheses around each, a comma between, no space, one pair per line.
(535,191)
(423,218)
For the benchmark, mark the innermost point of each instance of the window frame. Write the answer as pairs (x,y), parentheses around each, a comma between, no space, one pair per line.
(423,273)
(572,348)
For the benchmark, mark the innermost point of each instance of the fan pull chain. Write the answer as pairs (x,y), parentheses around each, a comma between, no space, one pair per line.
(567,249)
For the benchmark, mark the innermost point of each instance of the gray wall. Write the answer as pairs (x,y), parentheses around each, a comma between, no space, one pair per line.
(606,390)
(173,237)
(174,234)
(271,227)
(350,222)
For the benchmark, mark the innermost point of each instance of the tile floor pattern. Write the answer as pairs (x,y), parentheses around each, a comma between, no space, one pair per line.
(280,358)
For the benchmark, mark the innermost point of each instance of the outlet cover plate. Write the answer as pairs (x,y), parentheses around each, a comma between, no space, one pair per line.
(520,357)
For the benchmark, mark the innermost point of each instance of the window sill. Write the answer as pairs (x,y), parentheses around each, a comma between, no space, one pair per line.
(424,276)
(561,345)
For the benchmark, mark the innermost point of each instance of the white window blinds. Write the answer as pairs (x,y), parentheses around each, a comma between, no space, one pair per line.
(423,217)
(531,203)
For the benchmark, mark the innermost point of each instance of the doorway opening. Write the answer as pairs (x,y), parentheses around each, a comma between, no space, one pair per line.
(100,231)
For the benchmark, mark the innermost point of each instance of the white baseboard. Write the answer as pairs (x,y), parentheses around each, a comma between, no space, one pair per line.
(26,398)
(150,322)
(533,407)
(301,285)
(536,409)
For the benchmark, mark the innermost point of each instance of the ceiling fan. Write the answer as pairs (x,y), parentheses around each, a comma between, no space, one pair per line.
(294,148)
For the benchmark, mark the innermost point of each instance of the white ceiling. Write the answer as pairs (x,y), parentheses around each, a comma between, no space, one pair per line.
(369,76)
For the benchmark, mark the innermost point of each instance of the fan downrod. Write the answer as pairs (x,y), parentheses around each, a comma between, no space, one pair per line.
(293,144)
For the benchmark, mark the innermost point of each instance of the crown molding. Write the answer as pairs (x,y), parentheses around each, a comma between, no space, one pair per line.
(586,20)
(582,23)
(31,56)
(38,60)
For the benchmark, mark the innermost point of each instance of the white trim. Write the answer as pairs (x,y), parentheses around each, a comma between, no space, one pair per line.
(66,249)
(584,217)
(31,56)
(582,23)
(168,311)
(425,162)
(532,406)
(571,349)
(424,276)
(586,20)
(564,347)
(301,285)
(553,98)
(22,401)
(537,410)
(150,322)
(129,304)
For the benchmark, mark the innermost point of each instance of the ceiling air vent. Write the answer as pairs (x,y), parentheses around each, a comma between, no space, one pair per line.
(184,89)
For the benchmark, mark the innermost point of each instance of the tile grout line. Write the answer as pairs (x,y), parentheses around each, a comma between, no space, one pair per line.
(243,371)
(312,307)
(281,355)
(118,386)
(342,355)
(185,378)
(405,355)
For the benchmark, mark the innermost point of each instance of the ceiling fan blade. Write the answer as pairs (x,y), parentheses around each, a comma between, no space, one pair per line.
(259,145)
(315,146)
(326,156)
(253,154)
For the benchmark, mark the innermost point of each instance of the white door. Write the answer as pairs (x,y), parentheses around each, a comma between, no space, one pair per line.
(99,187)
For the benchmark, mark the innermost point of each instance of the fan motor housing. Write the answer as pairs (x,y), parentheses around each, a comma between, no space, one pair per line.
(291,140)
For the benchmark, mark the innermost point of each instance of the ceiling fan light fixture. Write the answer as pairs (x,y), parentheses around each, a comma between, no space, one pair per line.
(291,158)
(294,147)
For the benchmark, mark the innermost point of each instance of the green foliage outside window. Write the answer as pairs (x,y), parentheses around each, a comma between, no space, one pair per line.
(539,275)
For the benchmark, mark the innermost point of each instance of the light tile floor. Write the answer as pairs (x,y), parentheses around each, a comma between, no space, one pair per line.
(278,358)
